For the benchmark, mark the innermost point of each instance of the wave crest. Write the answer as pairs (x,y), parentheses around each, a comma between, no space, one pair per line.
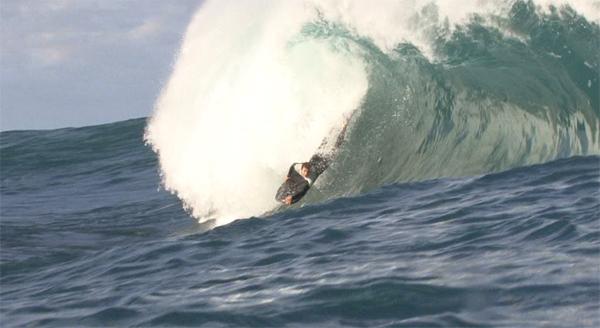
(439,93)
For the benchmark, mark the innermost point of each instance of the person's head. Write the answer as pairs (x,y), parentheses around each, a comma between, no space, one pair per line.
(305,169)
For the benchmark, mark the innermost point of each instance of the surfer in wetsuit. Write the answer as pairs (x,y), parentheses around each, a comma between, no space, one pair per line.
(297,183)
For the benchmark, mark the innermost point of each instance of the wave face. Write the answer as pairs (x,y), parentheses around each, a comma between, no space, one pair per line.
(433,90)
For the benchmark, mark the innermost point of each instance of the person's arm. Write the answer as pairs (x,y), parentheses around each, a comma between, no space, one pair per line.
(303,190)
(291,171)
(295,188)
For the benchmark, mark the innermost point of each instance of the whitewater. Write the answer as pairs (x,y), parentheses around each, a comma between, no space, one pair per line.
(466,192)
(259,85)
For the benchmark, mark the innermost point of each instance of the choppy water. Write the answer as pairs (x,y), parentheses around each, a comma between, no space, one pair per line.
(466,193)
(91,242)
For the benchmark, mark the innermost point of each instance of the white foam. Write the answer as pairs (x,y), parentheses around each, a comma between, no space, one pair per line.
(390,22)
(590,9)
(244,102)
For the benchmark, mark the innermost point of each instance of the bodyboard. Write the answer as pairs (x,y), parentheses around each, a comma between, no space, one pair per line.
(284,190)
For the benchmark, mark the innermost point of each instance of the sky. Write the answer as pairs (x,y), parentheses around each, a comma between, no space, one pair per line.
(70,63)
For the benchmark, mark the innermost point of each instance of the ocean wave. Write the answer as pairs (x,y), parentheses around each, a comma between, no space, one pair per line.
(435,94)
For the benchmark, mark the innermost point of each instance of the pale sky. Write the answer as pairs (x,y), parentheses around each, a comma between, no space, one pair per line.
(83,62)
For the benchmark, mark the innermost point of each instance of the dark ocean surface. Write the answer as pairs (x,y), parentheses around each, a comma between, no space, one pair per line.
(88,239)
(466,193)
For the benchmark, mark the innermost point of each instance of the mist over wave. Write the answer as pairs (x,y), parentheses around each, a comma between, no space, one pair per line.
(437,90)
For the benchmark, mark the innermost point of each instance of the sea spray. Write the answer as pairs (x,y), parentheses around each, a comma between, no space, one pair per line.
(441,90)
(248,96)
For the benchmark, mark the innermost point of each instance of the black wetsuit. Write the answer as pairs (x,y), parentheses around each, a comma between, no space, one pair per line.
(296,185)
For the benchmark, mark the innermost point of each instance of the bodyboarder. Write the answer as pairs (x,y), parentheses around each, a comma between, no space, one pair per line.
(297,184)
